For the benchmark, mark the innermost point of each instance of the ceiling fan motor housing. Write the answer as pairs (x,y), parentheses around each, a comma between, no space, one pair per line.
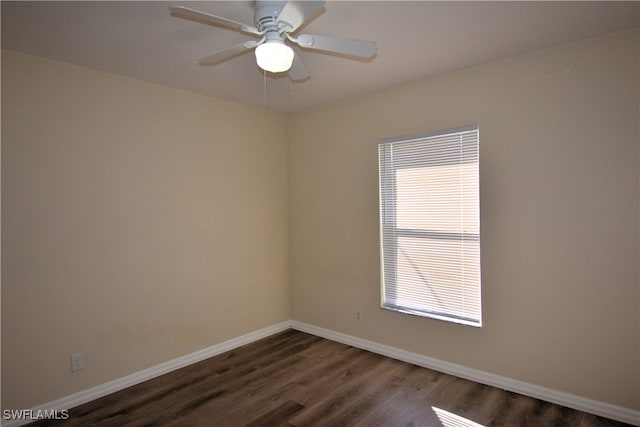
(272,54)
(267,13)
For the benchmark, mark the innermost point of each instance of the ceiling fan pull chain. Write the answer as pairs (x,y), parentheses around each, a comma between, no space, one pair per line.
(264,72)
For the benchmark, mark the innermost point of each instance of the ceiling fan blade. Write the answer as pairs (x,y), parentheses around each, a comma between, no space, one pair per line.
(227,53)
(296,13)
(298,71)
(206,18)
(359,48)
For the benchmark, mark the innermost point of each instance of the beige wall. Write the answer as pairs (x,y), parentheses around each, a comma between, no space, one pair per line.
(559,183)
(139,223)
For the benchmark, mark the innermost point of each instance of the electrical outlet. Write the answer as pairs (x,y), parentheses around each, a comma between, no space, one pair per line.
(77,362)
(358,315)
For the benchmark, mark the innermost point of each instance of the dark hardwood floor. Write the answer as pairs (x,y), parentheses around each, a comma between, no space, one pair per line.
(296,379)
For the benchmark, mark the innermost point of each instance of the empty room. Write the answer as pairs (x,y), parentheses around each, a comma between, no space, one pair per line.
(308,213)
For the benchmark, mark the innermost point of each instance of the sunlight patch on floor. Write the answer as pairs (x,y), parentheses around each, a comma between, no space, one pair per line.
(452,420)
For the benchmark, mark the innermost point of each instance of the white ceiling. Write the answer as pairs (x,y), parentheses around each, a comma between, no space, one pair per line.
(416,39)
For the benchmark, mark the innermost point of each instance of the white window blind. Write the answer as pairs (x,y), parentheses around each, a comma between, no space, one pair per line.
(430,225)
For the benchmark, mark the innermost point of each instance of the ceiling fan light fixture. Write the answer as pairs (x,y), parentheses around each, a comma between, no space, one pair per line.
(274,56)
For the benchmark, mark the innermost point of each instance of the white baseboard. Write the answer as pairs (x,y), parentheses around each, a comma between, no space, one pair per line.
(152,372)
(591,406)
(602,409)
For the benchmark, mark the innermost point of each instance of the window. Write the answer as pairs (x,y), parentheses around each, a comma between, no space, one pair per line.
(430,225)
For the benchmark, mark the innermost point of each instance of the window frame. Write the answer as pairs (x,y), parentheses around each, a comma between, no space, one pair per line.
(388,220)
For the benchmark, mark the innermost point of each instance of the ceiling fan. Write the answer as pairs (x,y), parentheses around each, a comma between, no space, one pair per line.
(276,23)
